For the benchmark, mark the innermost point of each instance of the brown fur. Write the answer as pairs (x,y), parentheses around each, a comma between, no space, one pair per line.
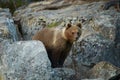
(58,42)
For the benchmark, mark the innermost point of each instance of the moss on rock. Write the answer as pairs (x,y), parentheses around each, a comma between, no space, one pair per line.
(53,24)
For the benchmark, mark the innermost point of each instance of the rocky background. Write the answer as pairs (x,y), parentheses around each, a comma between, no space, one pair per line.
(95,56)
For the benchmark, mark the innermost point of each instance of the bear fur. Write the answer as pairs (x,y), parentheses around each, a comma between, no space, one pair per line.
(58,42)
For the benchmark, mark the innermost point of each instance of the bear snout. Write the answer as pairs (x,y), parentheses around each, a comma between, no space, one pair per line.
(77,38)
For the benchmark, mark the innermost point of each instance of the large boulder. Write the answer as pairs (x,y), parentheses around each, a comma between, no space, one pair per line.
(41,14)
(103,70)
(93,49)
(26,60)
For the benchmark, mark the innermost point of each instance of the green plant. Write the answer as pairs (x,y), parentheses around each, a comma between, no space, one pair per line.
(53,24)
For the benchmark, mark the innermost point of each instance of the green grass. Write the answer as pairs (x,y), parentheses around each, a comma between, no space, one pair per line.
(53,24)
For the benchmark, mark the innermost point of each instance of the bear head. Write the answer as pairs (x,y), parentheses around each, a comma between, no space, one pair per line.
(72,32)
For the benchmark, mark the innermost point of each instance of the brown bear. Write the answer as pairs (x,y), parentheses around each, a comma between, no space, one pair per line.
(58,42)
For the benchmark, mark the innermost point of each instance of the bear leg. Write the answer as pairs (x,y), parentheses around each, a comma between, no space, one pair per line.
(62,59)
(51,58)
(55,59)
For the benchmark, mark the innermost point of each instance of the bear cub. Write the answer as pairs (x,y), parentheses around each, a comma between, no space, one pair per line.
(58,42)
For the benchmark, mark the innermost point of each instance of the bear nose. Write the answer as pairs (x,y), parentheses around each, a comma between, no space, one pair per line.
(77,38)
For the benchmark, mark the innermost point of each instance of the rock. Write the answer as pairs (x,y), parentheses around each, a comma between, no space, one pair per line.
(117,37)
(91,50)
(116,77)
(104,24)
(5,13)
(2,76)
(62,74)
(28,29)
(95,48)
(103,70)
(94,79)
(7,29)
(38,15)
(26,60)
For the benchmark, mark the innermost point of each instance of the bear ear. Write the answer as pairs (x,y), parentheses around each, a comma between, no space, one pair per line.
(68,25)
(79,25)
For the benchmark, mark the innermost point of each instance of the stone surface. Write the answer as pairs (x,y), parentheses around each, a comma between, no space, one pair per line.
(117,37)
(116,77)
(94,48)
(91,50)
(104,24)
(25,60)
(8,30)
(62,74)
(103,70)
(94,79)
(35,16)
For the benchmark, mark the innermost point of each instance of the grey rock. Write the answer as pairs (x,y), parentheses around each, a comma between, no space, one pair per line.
(117,37)
(95,48)
(30,25)
(26,60)
(33,19)
(94,79)
(5,13)
(103,70)
(104,26)
(62,74)
(8,30)
(91,50)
